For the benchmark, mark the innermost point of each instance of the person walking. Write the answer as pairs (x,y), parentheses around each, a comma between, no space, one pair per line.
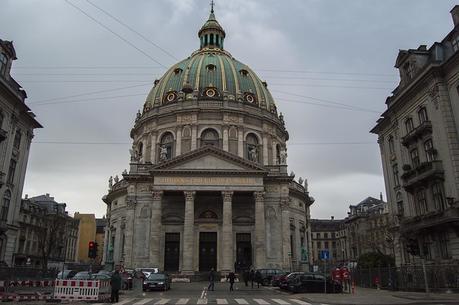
(212,276)
(230,278)
(252,276)
(258,278)
(115,282)
(246,275)
(137,280)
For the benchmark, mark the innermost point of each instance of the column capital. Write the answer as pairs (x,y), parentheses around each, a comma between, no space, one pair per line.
(157,195)
(258,196)
(189,195)
(227,195)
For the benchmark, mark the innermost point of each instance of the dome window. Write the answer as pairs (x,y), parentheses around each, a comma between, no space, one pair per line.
(170,97)
(250,98)
(211,92)
(244,72)
(178,71)
(211,67)
(156,82)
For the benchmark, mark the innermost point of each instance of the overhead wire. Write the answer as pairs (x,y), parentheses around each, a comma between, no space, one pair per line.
(114,33)
(132,30)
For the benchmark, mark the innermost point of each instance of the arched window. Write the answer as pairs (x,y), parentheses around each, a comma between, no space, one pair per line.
(209,137)
(140,149)
(278,154)
(422,114)
(5,206)
(252,147)
(166,147)
(409,126)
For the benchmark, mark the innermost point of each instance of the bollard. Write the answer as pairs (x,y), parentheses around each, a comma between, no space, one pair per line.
(353,287)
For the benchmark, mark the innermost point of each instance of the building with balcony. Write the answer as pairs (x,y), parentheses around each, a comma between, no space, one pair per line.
(17,124)
(419,143)
(208,185)
(327,235)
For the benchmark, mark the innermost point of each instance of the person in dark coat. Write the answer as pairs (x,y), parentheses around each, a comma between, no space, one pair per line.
(258,278)
(212,277)
(231,277)
(246,276)
(116,286)
(252,276)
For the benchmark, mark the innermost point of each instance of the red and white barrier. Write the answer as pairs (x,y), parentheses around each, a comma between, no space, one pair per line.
(92,290)
(16,297)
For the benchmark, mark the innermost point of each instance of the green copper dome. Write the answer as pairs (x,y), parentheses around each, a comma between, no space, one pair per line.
(210,73)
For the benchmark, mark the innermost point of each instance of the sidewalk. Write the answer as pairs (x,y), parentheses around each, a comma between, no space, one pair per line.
(368,296)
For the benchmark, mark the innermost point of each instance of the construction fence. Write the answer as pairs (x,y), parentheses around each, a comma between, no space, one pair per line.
(438,277)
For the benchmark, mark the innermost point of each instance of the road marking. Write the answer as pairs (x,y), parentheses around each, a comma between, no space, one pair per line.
(182,301)
(222,301)
(282,302)
(261,301)
(300,302)
(162,301)
(241,301)
(125,301)
(202,301)
(144,301)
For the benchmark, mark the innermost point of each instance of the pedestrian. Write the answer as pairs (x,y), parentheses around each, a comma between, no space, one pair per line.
(212,276)
(258,278)
(246,275)
(252,276)
(116,286)
(230,278)
(138,279)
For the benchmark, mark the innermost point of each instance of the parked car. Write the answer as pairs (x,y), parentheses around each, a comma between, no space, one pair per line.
(283,282)
(148,271)
(157,281)
(127,278)
(313,282)
(100,276)
(66,274)
(267,275)
(82,275)
(275,281)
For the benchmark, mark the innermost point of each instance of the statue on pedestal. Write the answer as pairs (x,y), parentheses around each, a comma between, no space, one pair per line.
(283,156)
(116,179)
(110,183)
(163,153)
(253,154)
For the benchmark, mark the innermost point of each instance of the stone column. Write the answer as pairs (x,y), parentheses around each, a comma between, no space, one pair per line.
(227,230)
(106,244)
(274,148)
(260,230)
(265,150)
(285,233)
(225,139)
(240,143)
(178,142)
(188,233)
(194,136)
(129,233)
(153,149)
(155,229)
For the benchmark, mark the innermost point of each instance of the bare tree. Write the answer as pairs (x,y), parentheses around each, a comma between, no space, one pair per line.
(51,237)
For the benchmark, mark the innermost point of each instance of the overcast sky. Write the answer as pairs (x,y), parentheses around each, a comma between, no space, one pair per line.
(316,55)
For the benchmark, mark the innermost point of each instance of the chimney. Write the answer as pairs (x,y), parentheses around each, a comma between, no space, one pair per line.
(380,196)
(455,14)
(26,196)
(47,194)
(333,218)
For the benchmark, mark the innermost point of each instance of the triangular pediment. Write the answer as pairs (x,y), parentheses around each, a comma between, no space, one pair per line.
(209,158)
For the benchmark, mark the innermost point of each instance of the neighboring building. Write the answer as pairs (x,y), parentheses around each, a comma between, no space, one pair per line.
(208,185)
(35,218)
(419,142)
(17,123)
(368,229)
(86,233)
(326,235)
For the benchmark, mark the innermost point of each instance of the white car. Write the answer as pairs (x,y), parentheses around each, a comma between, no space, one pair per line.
(148,271)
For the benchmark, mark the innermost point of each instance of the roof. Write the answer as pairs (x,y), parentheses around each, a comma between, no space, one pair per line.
(326,225)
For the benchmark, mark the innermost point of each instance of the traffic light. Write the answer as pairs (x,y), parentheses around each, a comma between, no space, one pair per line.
(92,249)
(412,247)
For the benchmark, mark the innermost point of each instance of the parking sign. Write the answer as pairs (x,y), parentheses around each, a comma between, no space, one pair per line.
(324,254)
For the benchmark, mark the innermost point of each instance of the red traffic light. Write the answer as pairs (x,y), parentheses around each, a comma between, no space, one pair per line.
(91,244)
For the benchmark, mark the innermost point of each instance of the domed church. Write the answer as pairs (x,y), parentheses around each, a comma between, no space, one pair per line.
(208,185)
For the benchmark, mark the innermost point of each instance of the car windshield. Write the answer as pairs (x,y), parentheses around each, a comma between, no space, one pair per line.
(156,276)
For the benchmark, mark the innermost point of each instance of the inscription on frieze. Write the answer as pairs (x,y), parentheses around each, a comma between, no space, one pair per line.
(207,181)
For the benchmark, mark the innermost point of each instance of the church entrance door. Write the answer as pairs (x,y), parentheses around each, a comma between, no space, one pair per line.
(243,251)
(207,251)
(172,252)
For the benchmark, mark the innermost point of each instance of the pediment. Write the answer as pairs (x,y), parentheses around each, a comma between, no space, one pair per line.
(209,158)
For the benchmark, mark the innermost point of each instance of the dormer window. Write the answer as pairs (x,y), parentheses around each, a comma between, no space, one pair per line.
(211,67)
(455,43)
(408,68)
(178,71)
(3,63)
(244,72)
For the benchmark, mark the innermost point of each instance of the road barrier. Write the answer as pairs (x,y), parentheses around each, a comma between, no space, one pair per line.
(89,290)
(30,283)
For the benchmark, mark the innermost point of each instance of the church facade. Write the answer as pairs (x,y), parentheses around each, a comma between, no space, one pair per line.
(208,185)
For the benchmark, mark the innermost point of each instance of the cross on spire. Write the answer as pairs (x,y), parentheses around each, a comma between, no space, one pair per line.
(212,3)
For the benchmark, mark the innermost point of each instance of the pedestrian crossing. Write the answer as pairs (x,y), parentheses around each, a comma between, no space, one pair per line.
(211,301)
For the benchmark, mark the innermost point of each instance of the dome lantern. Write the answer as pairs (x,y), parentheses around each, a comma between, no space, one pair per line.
(211,34)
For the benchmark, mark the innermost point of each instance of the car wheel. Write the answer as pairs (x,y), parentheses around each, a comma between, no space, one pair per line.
(265,282)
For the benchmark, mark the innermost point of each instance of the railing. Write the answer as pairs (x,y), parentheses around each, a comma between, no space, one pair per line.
(418,132)
(423,172)
(430,219)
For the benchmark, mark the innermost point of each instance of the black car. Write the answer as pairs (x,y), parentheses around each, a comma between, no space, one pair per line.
(157,281)
(284,281)
(313,282)
(268,274)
